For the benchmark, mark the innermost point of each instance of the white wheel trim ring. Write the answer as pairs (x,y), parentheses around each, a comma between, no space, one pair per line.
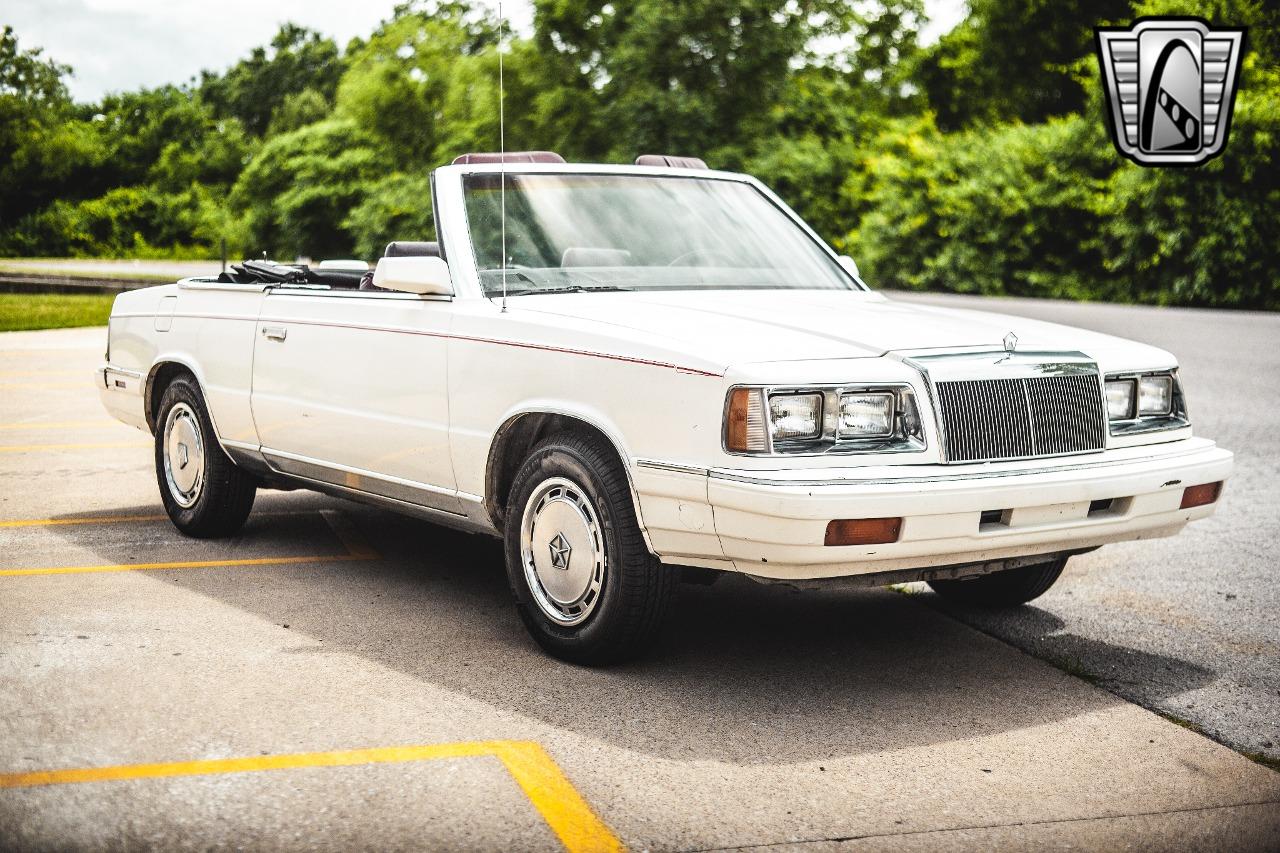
(182,449)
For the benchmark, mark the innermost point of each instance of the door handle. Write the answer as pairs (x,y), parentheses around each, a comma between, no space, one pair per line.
(274,333)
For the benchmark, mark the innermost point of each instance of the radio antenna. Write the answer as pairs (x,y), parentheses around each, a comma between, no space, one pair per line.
(502,151)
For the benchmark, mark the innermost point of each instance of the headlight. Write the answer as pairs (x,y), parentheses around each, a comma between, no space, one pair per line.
(1120,399)
(1145,402)
(1155,395)
(838,419)
(868,415)
(795,416)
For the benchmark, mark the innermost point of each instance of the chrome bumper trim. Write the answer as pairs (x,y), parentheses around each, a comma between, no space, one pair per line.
(761,478)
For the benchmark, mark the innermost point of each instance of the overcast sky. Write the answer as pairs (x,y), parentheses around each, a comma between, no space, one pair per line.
(117,45)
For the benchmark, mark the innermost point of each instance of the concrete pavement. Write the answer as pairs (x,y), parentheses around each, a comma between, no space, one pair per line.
(767,717)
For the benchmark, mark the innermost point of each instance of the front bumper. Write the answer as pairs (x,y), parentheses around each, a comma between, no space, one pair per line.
(772,523)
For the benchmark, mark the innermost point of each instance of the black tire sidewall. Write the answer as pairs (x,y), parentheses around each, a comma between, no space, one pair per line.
(212,514)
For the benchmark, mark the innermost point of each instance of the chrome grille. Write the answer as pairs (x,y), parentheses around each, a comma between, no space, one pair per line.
(987,419)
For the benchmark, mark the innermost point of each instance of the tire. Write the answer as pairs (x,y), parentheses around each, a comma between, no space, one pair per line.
(1009,588)
(585,585)
(204,493)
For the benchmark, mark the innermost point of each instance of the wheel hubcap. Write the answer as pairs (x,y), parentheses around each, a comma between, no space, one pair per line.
(183,455)
(562,551)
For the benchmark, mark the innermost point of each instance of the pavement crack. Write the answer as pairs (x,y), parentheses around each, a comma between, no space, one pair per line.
(839,839)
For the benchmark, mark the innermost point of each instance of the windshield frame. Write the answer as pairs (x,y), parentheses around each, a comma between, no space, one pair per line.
(454,229)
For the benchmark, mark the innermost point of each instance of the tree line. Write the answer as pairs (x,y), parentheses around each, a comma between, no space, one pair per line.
(980,163)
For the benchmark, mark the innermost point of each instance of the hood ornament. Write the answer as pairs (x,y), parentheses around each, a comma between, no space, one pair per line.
(1010,342)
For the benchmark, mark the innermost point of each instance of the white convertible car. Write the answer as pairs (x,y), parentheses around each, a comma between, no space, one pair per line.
(630,373)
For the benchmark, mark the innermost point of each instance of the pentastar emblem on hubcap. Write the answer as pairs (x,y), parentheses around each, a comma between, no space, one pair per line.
(560,551)
(184,456)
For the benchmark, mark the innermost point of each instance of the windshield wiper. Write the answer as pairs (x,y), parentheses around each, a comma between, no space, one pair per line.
(572,288)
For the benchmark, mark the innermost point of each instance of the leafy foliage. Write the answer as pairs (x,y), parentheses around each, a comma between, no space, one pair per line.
(253,89)
(398,207)
(42,146)
(299,188)
(1014,211)
(1013,60)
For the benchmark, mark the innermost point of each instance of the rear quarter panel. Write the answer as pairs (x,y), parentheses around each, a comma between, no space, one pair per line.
(208,330)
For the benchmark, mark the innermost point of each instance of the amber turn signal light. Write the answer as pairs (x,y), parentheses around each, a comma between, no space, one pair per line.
(744,423)
(863,531)
(1200,495)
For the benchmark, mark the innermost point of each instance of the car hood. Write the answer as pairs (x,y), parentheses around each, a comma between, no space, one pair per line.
(738,326)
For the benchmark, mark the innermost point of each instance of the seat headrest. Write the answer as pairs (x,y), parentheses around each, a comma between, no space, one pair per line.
(671,161)
(509,157)
(411,249)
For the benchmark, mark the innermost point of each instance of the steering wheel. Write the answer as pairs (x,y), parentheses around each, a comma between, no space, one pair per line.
(708,254)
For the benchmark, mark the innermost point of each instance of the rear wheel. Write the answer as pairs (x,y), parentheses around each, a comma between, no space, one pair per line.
(204,493)
(585,584)
(1002,589)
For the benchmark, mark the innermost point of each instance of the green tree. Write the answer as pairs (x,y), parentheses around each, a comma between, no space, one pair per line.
(137,127)
(1014,60)
(1009,211)
(819,135)
(299,189)
(298,109)
(398,207)
(1209,235)
(398,81)
(253,89)
(654,79)
(44,149)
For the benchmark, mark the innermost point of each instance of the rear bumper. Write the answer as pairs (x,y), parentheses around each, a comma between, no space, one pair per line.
(121,393)
(772,523)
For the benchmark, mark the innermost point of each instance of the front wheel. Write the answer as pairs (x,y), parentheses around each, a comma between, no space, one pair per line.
(1002,589)
(203,491)
(585,584)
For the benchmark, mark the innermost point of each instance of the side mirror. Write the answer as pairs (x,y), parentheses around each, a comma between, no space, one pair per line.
(425,275)
(850,266)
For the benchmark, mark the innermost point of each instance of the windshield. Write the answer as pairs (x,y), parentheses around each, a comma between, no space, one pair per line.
(638,232)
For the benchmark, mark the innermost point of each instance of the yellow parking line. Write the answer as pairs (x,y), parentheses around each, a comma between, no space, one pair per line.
(181,564)
(85,385)
(14,374)
(31,448)
(537,774)
(358,548)
(555,798)
(119,519)
(99,519)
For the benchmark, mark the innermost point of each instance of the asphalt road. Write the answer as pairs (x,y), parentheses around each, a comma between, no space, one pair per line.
(338,677)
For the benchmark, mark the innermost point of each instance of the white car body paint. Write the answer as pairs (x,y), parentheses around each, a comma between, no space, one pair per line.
(397,398)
